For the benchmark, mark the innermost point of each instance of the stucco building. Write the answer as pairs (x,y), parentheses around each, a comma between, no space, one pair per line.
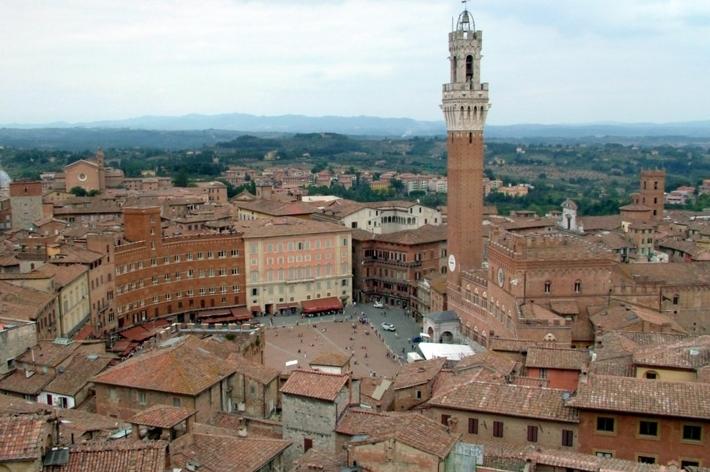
(293,264)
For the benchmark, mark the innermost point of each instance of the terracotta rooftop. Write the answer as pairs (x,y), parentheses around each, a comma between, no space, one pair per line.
(423,235)
(314,384)
(111,456)
(566,459)
(182,369)
(162,416)
(555,358)
(48,353)
(492,360)
(285,226)
(22,438)
(508,399)
(222,453)
(418,373)
(316,460)
(519,345)
(358,421)
(672,273)
(65,274)
(645,397)
(23,303)
(276,207)
(622,315)
(25,382)
(77,374)
(259,372)
(331,358)
(691,353)
(414,430)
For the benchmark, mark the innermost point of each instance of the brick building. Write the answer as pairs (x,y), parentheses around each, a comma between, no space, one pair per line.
(312,404)
(507,413)
(189,277)
(414,383)
(644,420)
(184,375)
(560,368)
(651,193)
(538,286)
(392,265)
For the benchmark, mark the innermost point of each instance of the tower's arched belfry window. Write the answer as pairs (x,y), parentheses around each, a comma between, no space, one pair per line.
(469,68)
(454,66)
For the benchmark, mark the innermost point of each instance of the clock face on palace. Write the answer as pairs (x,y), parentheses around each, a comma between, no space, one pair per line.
(501,277)
(452,263)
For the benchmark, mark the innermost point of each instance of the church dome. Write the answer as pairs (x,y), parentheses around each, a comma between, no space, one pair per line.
(465,22)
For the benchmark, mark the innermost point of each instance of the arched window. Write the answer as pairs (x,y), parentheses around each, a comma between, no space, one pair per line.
(577,286)
(548,286)
(469,68)
(454,66)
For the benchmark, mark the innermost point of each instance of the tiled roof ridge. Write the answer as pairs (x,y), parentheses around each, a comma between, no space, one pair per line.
(319,372)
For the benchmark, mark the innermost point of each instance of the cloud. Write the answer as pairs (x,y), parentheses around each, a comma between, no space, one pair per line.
(546,61)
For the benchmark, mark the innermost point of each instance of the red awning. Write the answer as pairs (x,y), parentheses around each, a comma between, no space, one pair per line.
(241,313)
(221,312)
(84,333)
(254,308)
(144,331)
(220,319)
(124,347)
(281,306)
(322,304)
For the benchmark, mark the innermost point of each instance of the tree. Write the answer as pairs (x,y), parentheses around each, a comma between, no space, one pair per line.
(181,179)
(78,191)
(397,186)
(93,193)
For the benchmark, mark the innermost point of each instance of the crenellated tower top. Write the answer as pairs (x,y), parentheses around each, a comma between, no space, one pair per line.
(465,98)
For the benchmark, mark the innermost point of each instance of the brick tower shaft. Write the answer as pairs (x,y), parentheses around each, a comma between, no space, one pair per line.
(465,106)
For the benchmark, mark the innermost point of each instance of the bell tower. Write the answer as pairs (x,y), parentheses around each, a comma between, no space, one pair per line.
(465,106)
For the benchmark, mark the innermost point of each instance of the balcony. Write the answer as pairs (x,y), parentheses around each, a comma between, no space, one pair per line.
(390,262)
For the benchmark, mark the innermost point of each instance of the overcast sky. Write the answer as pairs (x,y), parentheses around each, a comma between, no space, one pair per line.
(547,61)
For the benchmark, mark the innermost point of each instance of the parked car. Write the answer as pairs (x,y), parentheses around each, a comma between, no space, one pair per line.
(388,327)
(378,304)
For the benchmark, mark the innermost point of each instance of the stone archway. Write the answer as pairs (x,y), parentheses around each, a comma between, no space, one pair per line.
(447,337)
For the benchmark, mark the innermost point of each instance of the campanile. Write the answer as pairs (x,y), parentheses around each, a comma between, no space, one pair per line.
(465,105)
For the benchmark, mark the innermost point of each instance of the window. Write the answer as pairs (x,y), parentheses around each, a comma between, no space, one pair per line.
(141,398)
(567,437)
(176,401)
(445,419)
(606,454)
(605,424)
(578,286)
(497,429)
(651,374)
(687,463)
(419,394)
(532,433)
(692,432)
(648,428)
(307,444)
(548,286)
(473,425)
(646,459)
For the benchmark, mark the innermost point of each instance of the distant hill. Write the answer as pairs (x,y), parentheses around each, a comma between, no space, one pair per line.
(354,125)
(194,130)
